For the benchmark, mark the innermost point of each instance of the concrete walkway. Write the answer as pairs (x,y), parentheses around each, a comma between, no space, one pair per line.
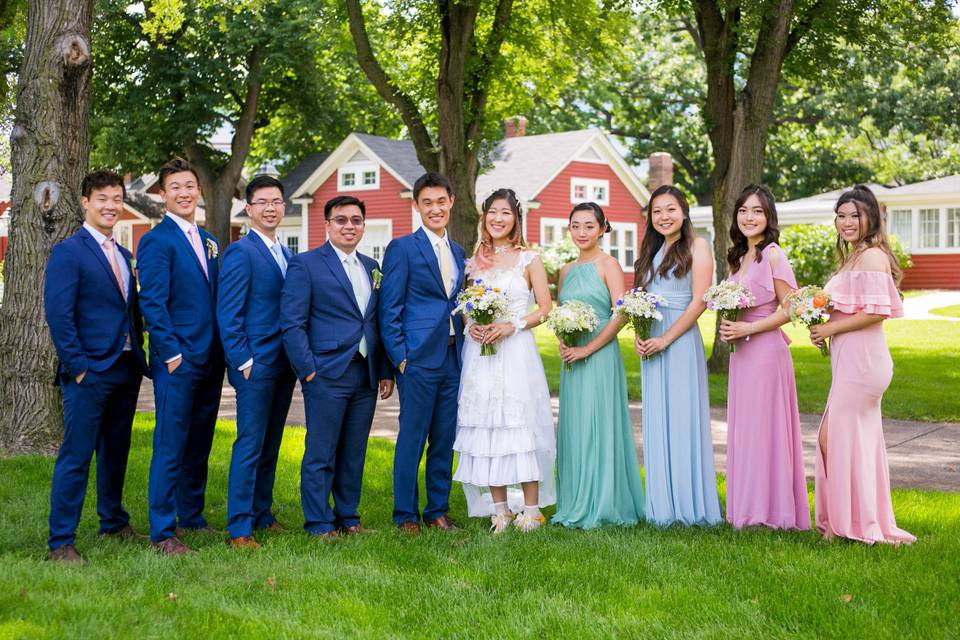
(919,308)
(922,455)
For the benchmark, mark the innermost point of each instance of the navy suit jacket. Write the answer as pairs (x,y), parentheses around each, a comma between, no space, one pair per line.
(248,303)
(321,321)
(87,315)
(178,302)
(414,306)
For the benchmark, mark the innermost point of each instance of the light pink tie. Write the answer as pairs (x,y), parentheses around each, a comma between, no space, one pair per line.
(109,245)
(198,249)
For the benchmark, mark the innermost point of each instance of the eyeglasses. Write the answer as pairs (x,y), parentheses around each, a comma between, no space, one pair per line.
(342,221)
(276,204)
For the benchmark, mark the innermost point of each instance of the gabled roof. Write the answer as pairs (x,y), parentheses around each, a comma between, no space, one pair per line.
(299,174)
(525,163)
(948,184)
(399,155)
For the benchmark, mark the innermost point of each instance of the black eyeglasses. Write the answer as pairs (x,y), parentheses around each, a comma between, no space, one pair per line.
(342,221)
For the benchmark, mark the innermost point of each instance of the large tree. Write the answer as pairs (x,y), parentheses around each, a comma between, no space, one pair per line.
(49,152)
(453,69)
(171,76)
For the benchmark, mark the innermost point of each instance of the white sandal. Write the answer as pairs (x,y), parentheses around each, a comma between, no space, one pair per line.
(527,523)
(500,522)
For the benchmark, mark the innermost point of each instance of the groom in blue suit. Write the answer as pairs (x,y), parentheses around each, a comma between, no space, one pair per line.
(90,302)
(248,315)
(178,267)
(422,275)
(329,316)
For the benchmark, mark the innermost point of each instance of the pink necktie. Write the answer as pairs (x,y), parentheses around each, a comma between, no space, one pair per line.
(112,257)
(198,249)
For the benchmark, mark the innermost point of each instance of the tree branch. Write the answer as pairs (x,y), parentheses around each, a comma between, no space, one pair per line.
(243,133)
(389,90)
(803,26)
(479,81)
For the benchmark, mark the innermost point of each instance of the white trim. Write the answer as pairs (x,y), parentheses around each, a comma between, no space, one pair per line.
(621,227)
(558,224)
(376,222)
(614,160)
(340,156)
(590,185)
(359,171)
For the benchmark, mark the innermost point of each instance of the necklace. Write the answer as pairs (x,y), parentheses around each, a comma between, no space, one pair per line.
(498,250)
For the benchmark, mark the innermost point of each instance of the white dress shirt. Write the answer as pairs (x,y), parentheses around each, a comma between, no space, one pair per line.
(99,238)
(362,281)
(442,244)
(185,228)
(270,243)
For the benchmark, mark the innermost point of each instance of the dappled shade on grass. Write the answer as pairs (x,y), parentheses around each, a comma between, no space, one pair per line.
(676,582)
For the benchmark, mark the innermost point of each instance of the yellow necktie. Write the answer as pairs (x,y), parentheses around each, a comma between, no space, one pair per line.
(445,273)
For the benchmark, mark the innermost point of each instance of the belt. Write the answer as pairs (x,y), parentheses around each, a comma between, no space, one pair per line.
(452,340)
(358,358)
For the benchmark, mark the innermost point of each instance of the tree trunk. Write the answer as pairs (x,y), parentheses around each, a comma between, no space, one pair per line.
(49,146)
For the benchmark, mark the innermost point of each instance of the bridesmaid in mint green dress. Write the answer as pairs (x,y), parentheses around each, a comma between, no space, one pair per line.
(598,475)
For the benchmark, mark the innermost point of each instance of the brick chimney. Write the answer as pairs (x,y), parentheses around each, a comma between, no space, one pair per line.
(661,170)
(515,127)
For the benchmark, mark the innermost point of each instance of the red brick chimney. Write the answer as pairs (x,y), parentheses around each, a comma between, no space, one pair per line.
(515,127)
(661,170)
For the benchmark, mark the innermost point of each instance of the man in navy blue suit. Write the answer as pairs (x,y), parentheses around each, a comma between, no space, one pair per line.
(90,301)
(177,264)
(329,316)
(248,314)
(422,275)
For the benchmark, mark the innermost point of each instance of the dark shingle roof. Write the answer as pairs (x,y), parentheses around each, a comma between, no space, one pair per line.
(299,174)
(399,155)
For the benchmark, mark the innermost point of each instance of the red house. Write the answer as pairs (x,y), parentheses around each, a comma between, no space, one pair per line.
(550,173)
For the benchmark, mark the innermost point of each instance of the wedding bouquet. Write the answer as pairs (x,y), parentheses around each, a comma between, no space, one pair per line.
(570,320)
(727,298)
(641,309)
(810,305)
(483,305)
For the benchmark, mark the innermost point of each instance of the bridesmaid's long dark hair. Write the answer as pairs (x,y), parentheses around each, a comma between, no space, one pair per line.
(770,235)
(679,257)
(875,234)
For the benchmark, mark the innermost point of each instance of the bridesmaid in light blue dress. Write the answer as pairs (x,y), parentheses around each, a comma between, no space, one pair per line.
(681,484)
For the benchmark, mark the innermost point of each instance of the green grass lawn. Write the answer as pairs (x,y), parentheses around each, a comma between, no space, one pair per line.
(642,581)
(952,311)
(926,379)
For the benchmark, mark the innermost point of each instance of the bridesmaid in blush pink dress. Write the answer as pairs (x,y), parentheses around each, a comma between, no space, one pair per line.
(766,485)
(852,477)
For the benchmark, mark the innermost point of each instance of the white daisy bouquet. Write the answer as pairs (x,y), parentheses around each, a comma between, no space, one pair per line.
(810,305)
(483,305)
(727,298)
(641,308)
(571,319)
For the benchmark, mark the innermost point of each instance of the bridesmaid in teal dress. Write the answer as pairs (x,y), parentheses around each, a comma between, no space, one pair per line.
(677,445)
(598,475)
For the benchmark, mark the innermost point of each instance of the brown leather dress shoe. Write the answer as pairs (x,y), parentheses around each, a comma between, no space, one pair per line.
(275,527)
(329,535)
(353,530)
(443,522)
(67,554)
(412,528)
(126,532)
(244,542)
(171,547)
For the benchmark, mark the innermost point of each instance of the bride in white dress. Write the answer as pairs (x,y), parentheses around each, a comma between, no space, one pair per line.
(505,434)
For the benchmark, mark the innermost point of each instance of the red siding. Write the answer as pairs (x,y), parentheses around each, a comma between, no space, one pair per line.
(383,203)
(138,231)
(3,247)
(933,272)
(555,201)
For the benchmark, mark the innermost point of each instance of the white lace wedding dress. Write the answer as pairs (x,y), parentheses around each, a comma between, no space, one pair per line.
(505,430)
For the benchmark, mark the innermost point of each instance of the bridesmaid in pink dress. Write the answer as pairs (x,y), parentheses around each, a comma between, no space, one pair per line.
(766,485)
(852,478)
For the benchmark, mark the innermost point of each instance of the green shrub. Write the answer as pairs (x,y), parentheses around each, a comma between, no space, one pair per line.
(554,257)
(811,251)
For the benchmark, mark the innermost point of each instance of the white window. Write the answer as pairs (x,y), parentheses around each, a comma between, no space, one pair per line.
(621,243)
(589,190)
(124,235)
(290,239)
(376,236)
(953,228)
(358,177)
(552,231)
(901,225)
(929,228)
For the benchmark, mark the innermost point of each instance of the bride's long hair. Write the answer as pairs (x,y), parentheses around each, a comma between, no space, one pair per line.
(483,253)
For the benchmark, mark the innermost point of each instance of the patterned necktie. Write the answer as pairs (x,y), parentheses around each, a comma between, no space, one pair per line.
(355,273)
(277,251)
(194,235)
(110,245)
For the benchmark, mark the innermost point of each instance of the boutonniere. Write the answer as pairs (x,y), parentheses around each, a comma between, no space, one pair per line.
(212,249)
(377,277)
